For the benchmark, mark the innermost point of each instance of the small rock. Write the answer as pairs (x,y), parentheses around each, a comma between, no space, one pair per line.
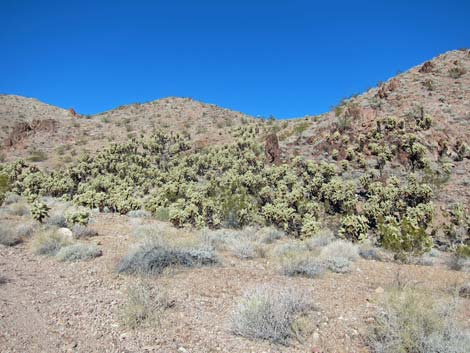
(65,232)
(379,290)
(182,350)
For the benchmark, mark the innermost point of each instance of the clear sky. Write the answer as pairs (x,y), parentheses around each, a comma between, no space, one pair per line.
(282,58)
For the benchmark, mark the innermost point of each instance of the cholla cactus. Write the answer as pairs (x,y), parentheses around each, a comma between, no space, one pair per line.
(78,217)
(39,211)
(354,227)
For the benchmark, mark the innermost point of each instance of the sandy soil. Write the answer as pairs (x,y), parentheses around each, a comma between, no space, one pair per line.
(49,306)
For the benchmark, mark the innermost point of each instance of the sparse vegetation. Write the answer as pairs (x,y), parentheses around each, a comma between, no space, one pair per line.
(49,242)
(144,305)
(414,322)
(269,313)
(153,256)
(78,252)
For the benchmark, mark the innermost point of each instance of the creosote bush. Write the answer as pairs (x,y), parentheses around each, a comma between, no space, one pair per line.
(49,242)
(301,264)
(8,236)
(78,252)
(269,313)
(154,255)
(411,321)
(144,305)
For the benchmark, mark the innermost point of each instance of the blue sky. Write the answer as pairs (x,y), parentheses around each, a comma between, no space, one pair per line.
(281,58)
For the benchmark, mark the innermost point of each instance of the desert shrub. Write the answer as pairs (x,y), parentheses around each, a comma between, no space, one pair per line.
(39,211)
(338,264)
(37,155)
(8,198)
(457,71)
(139,214)
(57,219)
(153,256)
(18,209)
(11,198)
(415,322)
(354,227)
(77,217)
(79,231)
(144,305)
(269,313)
(243,248)
(463,251)
(49,242)
(340,248)
(464,290)
(8,236)
(270,235)
(369,252)
(404,237)
(301,264)
(281,250)
(319,240)
(78,252)
(25,230)
(460,260)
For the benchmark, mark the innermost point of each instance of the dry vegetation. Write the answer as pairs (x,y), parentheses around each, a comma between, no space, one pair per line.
(191,242)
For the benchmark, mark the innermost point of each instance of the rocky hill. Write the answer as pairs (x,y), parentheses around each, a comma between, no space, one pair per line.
(28,126)
(417,121)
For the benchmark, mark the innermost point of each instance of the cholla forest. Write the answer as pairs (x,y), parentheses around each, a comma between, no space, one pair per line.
(231,186)
(177,226)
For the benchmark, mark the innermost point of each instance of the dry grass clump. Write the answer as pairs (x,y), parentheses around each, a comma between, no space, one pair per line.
(340,248)
(244,244)
(301,264)
(78,252)
(154,255)
(57,219)
(139,214)
(26,230)
(320,240)
(289,247)
(144,305)
(49,242)
(338,264)
(11,198)
(79,231)
(269,235)
(18,209)
(8,236)
(269,313)
(411,321)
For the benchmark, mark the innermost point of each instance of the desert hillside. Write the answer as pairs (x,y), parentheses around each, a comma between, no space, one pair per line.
(180,226)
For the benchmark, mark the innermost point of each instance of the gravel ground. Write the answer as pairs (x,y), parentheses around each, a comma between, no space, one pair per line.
(50,306)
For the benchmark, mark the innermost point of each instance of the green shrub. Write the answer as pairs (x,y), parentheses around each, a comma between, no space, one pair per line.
(404,237)
(414,322)
(4,187)
(39,211)
(49,242)
(354,227)
(78,217)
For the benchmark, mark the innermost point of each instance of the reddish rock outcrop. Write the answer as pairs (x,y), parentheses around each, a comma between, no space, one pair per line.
(427,67)
(73,112)
(22,130)
(272,150)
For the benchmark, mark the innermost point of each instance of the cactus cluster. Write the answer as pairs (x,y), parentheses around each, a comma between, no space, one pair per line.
(231,186)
